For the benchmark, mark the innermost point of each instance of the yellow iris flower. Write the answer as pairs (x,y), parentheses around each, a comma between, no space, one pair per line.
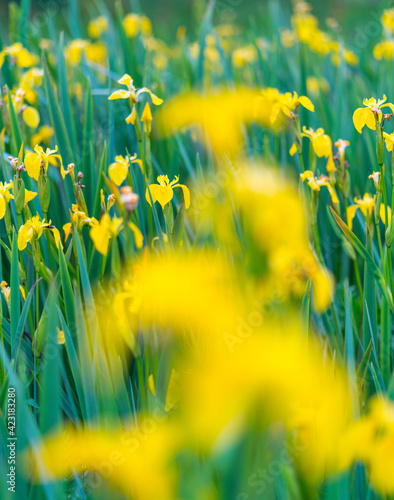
(366,205)
(316,183)
(163,191)
(108,228)
(44,134)
(118,170)
(32,230)
(321,142)
(103,231)
(78,217)
(97,27)
(33,161)
(289,103)
(370,114)
(132,94)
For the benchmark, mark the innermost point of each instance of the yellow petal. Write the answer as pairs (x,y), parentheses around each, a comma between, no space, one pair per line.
(117,172)
(126,80)
(322,146)
(151,384)
(332,192)
(31,117)
(56,235)
(360,117)
(307,103)
(22,292)
(132,116)
(33,164)
(119,94)
(322,288)
(186,194)
(156,100)
(24,236)
(162,194)
(2,206)
(330,167)
(370,120)
(308,174)
(138,237)
(293,149)
(350,213)
(382,213)
(29,195)
(100,237)
(67,230)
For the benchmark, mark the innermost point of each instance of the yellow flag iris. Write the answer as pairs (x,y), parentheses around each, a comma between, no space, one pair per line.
(163,191)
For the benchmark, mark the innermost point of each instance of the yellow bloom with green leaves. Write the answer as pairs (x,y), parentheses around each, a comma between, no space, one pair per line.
(119,169)
(163,192)
(132,94)
(370,114)
(33,229)
(316,183)
(33,161)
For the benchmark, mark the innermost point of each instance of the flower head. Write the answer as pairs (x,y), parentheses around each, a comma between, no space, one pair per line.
(163,191)
(370,114)
(32,230)
(33,161)
(119,169)
(103,231)
(316,183)
(321,142)
(132,94)
(365,204)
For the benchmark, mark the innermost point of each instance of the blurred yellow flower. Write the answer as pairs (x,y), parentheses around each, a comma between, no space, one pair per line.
(97,27)
(101,232)
(44,134)
(365,204)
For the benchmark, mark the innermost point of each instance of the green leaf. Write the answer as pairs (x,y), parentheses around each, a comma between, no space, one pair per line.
(15,291)
(16,137)
(57,118)
(64,96)
(363,366)
(87,159)
(51,384)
